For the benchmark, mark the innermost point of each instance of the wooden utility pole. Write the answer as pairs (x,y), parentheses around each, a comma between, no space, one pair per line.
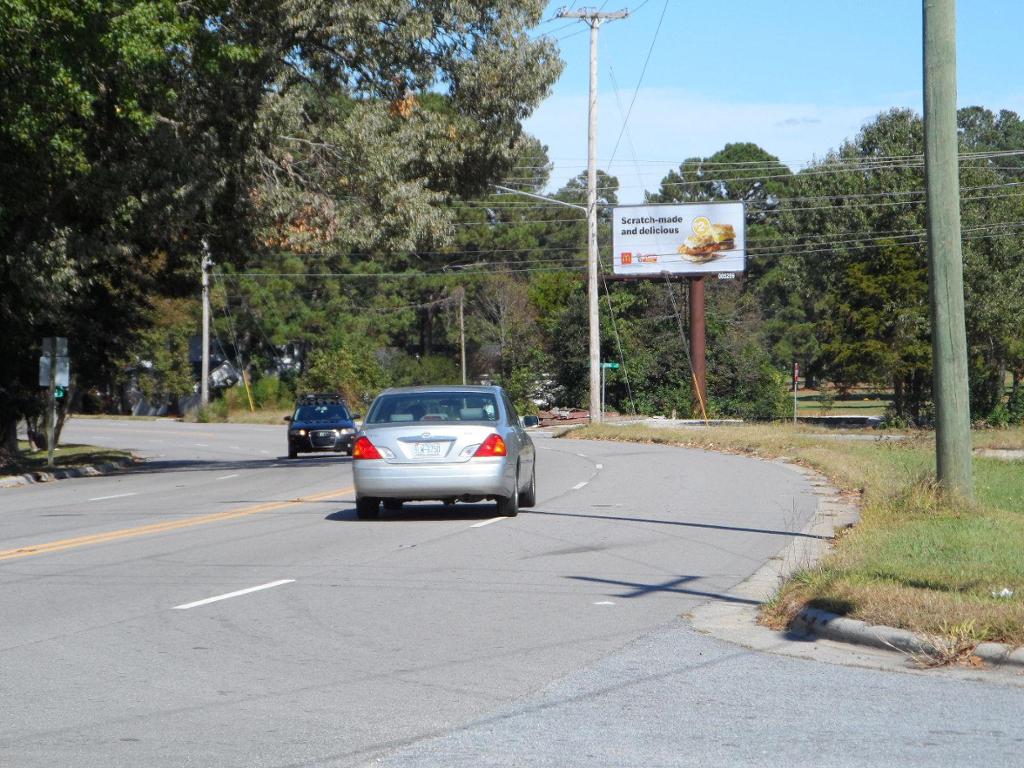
(594,19)
(946,274)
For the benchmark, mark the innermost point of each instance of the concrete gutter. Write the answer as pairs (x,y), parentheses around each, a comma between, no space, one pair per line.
(47,476)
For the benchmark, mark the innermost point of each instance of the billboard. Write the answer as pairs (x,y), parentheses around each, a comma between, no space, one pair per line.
(679,238)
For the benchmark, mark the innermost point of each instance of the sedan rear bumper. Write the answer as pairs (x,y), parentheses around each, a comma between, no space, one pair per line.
(428,482)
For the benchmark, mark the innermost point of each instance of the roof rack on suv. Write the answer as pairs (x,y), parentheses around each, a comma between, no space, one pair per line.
(322,398)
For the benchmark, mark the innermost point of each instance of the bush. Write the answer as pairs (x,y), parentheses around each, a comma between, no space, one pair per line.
(353,372)
(272,392)
(405,370)
(745,385)
(999,416)
(1015,405)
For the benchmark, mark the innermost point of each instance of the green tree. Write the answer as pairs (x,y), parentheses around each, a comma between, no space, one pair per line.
(132,129)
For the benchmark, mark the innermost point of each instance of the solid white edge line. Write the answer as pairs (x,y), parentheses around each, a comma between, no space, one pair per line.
(579,485)
(482,523)
(227,477)
(239,593)
(115,496)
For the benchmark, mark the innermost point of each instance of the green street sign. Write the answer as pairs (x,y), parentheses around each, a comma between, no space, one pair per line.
(58,392)
(609,365)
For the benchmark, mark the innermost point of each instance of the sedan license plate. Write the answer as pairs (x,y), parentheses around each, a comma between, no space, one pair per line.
(325,434)
(428,449)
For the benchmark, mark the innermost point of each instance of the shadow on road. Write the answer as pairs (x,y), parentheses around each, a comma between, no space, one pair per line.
(156,466)
(422,513)
(672,586)
(709,526)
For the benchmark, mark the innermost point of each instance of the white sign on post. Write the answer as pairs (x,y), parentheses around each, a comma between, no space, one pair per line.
(681,239)
(55,347)
(63,373)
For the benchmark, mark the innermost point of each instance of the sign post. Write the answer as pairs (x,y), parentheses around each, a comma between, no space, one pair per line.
(796,382)
(54,374)
(604,367)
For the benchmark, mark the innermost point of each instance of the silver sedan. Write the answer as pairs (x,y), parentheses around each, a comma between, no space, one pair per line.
(443,443)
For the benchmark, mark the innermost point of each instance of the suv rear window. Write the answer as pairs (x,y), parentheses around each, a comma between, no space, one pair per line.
(320,413)
(433,406)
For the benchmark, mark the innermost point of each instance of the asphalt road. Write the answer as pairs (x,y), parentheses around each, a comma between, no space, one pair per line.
(431,638)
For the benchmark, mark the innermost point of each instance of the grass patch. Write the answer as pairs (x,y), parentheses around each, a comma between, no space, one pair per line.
(66,456)
(917,559)
(230,416)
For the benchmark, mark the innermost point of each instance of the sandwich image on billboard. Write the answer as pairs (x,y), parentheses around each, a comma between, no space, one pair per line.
(681,239)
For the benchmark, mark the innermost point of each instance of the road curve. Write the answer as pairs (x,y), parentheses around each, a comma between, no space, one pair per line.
(222,605)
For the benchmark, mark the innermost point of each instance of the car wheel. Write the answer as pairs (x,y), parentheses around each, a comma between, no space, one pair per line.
(367,508)
(508,506)
(392,505)
(529,497)
(292,453)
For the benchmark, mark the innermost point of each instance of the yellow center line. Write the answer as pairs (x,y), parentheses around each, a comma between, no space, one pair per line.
(170,525)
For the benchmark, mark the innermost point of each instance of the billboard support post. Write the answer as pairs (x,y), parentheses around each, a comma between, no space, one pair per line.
(698,337)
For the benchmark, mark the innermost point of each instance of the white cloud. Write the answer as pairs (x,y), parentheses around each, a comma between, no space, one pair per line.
(667,126)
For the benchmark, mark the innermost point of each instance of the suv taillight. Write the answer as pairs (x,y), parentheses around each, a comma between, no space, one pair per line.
(364,449)
(492,446)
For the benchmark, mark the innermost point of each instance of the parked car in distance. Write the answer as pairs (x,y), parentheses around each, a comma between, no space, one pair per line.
(321,422)
(443,443)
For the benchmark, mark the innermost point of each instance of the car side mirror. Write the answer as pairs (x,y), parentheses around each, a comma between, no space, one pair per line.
(287,418)
(356,416)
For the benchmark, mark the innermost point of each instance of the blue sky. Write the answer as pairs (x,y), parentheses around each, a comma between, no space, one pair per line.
(796,77)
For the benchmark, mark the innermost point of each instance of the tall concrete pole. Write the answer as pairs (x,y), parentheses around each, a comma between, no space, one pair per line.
(946,274)
(204,386)
(594,19)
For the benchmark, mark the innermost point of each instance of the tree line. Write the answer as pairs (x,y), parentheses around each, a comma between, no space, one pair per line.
(338,161)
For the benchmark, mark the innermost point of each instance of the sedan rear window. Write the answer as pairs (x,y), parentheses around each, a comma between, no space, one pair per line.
(432,406)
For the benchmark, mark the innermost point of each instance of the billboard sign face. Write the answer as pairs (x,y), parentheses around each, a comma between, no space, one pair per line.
(681,239)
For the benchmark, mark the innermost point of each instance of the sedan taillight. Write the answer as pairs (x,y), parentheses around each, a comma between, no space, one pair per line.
(364,449)
(492,446)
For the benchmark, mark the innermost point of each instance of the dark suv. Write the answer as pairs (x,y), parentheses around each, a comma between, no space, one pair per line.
(320,423)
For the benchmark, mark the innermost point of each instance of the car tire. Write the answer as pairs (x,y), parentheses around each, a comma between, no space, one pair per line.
(392,505)
(292,453)
(528,498)
(508,506)
(367,508)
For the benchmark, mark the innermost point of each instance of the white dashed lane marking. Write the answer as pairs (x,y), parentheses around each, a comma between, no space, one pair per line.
(229,595)
(114,496)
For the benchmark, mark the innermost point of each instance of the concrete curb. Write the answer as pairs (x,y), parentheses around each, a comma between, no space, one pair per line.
(30,478)
(833,627)
(834,512)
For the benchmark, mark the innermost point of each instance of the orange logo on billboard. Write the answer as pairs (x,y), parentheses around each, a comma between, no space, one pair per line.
(627,258)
